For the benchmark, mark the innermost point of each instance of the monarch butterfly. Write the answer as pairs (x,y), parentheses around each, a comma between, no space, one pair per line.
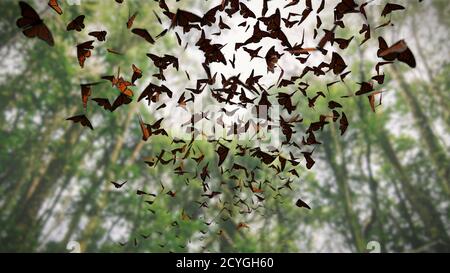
(32,25)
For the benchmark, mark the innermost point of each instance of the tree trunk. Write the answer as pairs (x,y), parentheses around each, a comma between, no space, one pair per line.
(437,153)
(419,201)
(340,173)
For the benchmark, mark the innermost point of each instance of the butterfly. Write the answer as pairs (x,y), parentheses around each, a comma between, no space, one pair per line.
(272,58)
(151,129)
(301,204)
(399,51)
(137,73)
(100,35)
(343,123)
(120,84)
(222,152)
(84,51)
(81,119)
(143,33)
(76,24)
(337,63)
(86,92)
(309,160)
(390,8)
(118,185)
(119,101)
(246,12)
(32,25)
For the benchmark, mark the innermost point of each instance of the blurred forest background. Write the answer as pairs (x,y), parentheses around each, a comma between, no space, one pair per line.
(385,180)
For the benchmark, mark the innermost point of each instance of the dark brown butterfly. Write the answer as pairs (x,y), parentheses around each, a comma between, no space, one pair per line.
(140,192)
(184,19)
(210,16)
(333,104)
(119,101)
(100,35)
(152,93)
(245,11)
(272,57)
(301,204)
(343,123)
(118,185)
(309,160)
(163,62)
(76,24)
(337,64)
(253,52)
(343,43)
(390,8)
(55,6)
(399,51)
(222,152)
(222,25)
(81,119)
(32,25)
(84,51)
(366,87)
(143,33)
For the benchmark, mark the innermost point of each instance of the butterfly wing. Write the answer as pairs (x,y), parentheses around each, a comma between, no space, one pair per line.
(28,12)
(222,152)
(143,33)
(343,123)
(407,57)
(55,6)
(44,34)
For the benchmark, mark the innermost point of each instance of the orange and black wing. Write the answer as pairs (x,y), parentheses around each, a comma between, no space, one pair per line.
(55,6)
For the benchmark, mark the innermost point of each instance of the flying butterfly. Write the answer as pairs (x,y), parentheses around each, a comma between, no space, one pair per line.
(301,204)
(82,119)
(399,51)
(143,33)
(137,73)
(76,24)
(84,51)
(32,25)
(100,35)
